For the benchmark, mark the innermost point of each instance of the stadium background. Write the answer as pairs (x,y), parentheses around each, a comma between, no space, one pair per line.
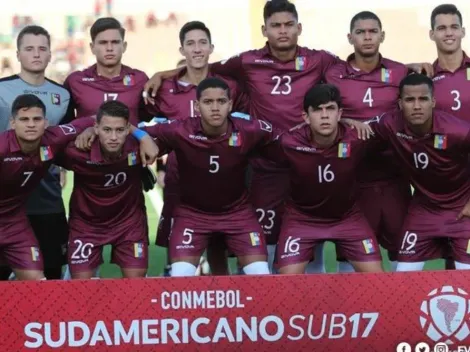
(152,37)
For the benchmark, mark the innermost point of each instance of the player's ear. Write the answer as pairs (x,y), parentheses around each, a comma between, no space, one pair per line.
(340,113)
(431,35)
(263,31)
(196,107)
(463,32)
(433,102)
(211,50)
(124,45)
(305,117)
(400,104)
(382,37)
(299,28)
(230,105)
(12,122)
(46,123)
(181,51)
(350,39)
(92,48)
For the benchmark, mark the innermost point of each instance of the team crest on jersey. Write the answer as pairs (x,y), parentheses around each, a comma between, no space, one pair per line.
(386,75)
(45,153)
(55,98)
(138,250)
(369,246)
(235,139)
(128,80)
(300,63)
(468,73)
(344,150)
(255,239)
(440,141)
(35,254)
(132,159)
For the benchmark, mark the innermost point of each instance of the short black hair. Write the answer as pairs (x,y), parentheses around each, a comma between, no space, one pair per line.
(364,15)
(34,30)
(416,79)
(105,23)
(212,82)
(113,108)
(191,26)
(445,9)
(27,101)
(322,94)
(275,6)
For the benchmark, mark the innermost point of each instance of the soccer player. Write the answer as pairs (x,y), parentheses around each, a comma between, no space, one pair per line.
(108,79)
(322,205)
(432,148)
(176,99)
(45,207)
(213,151)
(369,87)
(26,153)
(107,204)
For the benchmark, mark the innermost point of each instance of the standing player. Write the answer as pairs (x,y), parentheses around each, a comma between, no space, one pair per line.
(107,204)
(369,87)
(45,208)
(213,151)
(26,154)
(322,203)
(432,148)
(108,79)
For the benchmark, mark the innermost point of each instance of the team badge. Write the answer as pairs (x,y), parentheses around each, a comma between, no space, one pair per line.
(440,141)
(138,250)
(45,153)
(386,75)
(369,246)
(55,98)
(132,159)
(235,140)
(344,150)
(35,254)
(300,63)
(128,80)
(255,239)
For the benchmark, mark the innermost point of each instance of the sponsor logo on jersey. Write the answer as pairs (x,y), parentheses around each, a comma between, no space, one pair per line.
(88,79)
(201,138)
(404,136)
(263,61)
(13,158)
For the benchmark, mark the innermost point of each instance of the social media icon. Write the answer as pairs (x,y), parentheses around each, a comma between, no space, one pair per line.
(441,347)
(404,347)
(422,347)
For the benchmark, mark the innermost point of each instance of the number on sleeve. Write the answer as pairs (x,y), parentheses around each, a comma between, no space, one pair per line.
(27,175)
(421,160)
(282,85)
(115,180)
(214,165)
(110,96)
(187,236)
(368,97)
(457,104)
(409,241)
(325,174)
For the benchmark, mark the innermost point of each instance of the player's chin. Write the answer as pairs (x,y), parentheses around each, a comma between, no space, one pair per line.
(31,137)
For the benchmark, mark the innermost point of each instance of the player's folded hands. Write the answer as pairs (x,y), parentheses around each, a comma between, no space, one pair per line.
(148,151)
(85,139)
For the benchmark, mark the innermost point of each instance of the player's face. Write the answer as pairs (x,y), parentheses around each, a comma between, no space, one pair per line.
(366,37)
(108,48)
(214,107)
(447,33)
(196,48)
(29,124)
(112,133)
(323,120)
(417,104)
(34,53)
(282,31)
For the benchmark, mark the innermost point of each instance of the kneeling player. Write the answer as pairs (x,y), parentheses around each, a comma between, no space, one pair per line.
(432,148)
(107,204)
(212,152)
(323,156)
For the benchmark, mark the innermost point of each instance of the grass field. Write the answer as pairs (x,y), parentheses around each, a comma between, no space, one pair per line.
(158,255)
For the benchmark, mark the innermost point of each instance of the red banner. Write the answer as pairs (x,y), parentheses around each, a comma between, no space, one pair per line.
(351,312)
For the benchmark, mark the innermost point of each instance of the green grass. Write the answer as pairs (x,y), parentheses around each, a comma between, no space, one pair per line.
(157,255)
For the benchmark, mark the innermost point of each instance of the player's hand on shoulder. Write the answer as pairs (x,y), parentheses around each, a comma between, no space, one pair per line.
(85,139)
(423,68)
(364,131)
(148,151)
(151,88)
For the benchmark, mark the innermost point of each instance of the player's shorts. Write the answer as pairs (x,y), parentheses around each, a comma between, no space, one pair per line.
(385,207)
(268,192)
(52,232)
(192,231)
(300,233)
(426,235)
(129,246)
(19,248)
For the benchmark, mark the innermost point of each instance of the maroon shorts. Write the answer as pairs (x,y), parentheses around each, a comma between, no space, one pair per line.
(268,192)
(129,246)
(427,234)
(352,236)
(385,207)
(192,231)
(19,248)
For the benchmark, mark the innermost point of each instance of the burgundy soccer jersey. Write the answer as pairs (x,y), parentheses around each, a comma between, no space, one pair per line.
(88,91)
(21,173)
(212,170)
(451,89)
(106,195)
(437,164)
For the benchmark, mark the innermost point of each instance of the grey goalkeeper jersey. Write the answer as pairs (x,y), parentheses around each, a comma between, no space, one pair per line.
(47,198)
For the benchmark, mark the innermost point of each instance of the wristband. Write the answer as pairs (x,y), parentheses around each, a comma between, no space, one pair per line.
(139,134)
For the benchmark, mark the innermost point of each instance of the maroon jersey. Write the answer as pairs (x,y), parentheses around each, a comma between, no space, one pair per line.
(276,89)
(451,89)
(212,170)
(88,91)
(437,164)
(321,179)
(176,99)
(21,173)
(106,195)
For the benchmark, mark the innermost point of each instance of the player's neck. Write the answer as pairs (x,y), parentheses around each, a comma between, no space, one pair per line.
(284,55)
(450,62)
(33,78)
(108,72)
(107,156)
(211,131)
(324,141)
(421,130)
(28,147)
(195,75)
(366,64)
